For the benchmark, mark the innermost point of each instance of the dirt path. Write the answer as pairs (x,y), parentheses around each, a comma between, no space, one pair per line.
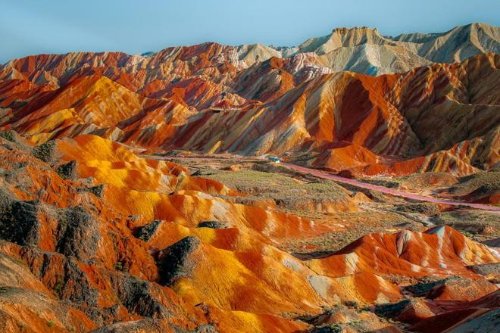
(385,190)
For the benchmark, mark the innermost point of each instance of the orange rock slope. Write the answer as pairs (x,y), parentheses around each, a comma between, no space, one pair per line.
(441,117)
(98,233)
(94,236)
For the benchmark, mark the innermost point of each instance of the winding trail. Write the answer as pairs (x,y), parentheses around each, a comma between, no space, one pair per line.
(385,190)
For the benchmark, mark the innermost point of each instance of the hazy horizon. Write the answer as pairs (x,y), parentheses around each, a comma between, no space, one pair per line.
(33,27)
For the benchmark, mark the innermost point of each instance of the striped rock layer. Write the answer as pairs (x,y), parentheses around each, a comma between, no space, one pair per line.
(156,249)
(440,117)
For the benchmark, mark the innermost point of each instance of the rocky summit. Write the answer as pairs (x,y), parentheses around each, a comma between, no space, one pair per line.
(348,184)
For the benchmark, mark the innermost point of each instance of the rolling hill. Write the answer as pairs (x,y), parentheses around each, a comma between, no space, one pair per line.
(136,196)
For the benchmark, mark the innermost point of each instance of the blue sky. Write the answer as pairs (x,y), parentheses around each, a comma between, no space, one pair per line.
(59,26)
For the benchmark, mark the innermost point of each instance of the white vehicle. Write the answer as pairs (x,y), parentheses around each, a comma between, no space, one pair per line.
(274,159)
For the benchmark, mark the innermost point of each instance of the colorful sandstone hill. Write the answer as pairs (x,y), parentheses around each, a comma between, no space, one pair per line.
(103,229)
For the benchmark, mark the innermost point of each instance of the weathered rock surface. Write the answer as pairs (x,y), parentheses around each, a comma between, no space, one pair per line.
(342,121)
(98,233)
(161,251)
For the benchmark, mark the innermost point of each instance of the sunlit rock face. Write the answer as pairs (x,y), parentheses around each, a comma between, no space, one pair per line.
(155,242)
(322,98)
(100,232)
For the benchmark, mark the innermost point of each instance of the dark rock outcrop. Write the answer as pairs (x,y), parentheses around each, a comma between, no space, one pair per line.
(45,151)
(211,224)
(78,234)
(8,135)
(147,231)
(172,262)
(424,288)
(391,310)
(137,296)
(67,170)
(18,220)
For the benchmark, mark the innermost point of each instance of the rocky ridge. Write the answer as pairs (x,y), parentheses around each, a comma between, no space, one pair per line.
(139,254)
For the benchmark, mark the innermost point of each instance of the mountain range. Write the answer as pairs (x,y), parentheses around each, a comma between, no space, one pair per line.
(296,101)
(166,192)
